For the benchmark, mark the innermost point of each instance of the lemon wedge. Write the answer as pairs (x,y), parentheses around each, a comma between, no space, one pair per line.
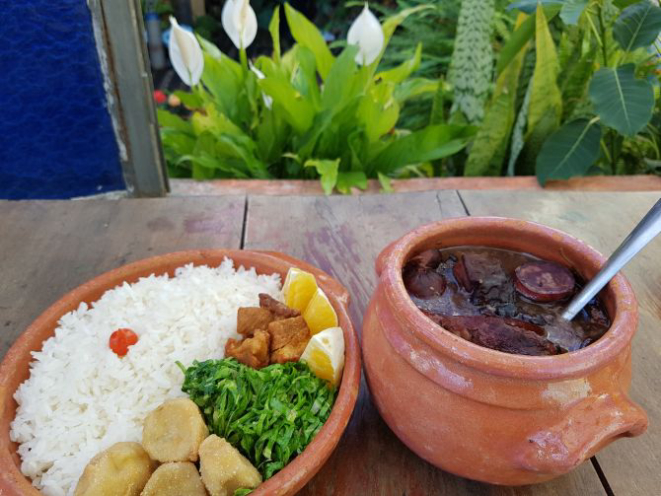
(299,288)
(319,314)
(324,354)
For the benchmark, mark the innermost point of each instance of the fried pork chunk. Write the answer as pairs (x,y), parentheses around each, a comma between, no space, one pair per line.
(253,352)
(289,337)
(224,469)
(250,319)
(279,310)
(173,431)
(175,479)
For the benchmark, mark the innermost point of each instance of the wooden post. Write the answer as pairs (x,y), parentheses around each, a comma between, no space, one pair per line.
(119,31)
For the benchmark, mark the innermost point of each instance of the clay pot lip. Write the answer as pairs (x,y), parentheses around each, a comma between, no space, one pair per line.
(296,473)
(574,364)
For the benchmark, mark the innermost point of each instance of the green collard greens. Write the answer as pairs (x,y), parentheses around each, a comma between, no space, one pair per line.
(270,415)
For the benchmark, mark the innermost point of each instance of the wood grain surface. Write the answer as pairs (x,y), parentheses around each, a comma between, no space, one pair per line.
(49,248)
(603,220)
(343,236)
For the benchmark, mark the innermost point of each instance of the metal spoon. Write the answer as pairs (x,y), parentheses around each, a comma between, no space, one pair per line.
(642,234)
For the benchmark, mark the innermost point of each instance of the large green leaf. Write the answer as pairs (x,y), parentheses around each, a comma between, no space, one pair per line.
(570,151)
(545,93)
(638,25)
(529,6)
(522,35)
(348,180)
(620,100)
(328,170)
(404,70)
(431,143)
(413,87)
(306,33)
(572,10)
(378,110)
(169,120)
(274,29)
(339,85)
(289,103)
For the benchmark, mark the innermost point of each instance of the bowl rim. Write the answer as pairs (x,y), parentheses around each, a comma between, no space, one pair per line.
(296,473)
(573,364)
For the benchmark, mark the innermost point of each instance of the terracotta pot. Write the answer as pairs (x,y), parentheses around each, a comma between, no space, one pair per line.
(492,416)
(15,367)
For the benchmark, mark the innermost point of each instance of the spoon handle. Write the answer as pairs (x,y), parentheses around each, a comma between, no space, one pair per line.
(642,234)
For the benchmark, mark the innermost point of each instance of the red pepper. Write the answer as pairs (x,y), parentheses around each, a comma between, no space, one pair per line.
(159,97)
(121,339)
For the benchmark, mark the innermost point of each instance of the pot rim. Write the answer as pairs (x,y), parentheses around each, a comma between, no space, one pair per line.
(576,363)
(299,470)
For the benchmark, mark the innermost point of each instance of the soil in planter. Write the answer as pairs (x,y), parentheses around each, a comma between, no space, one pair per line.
(503,300)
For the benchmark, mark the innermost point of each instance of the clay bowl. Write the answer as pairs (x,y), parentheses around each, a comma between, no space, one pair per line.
(487,415)
(15,367)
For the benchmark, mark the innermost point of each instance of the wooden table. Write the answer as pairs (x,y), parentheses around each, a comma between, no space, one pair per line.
(48,248)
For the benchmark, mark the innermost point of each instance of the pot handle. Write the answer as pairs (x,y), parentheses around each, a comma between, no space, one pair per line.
(587,427)
(382,259)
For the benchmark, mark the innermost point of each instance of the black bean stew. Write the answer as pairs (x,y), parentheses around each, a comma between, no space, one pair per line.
(503,300)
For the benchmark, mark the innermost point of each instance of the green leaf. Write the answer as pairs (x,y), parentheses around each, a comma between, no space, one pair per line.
(378,110)
(224,80)
(274,29)
(529,6)
(348,180)
(414,87)
(517,141)
(404,70)
(328,170)
(209,47)
(386,183)
(520,37)
(572,10)
(620,100)
(545,93)
(289,103)
(431,143)
(570,151)
(169,120)
(339,87)
(488,150)
(190,100)
(306,34)
(638,25)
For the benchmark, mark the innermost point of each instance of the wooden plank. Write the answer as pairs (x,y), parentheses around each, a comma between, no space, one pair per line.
(125,62)
(49,248)
(631,466)
(343,236)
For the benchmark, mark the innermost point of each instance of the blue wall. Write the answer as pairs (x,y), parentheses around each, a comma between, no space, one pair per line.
(56,137)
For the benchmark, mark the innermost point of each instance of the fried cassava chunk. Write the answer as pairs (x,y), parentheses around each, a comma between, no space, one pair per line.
(173,432)
(121,470)
(289,337)
(224,469)
(175,479)
(250,319)
(253,352)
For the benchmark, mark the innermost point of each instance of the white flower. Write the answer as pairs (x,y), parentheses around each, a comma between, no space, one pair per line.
(268,101)
(239,22)
(366,32)
(185,54)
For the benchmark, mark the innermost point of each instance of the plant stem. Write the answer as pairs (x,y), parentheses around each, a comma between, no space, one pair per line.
(604,51)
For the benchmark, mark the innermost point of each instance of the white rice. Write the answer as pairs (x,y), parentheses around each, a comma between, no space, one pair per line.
(82,398)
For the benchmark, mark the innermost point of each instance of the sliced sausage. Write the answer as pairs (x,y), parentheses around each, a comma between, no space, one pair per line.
(506,335)
(544,281)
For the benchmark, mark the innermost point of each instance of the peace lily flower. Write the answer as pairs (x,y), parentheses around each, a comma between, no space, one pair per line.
(366,32)
(185,54)
(239,22)
(268,101)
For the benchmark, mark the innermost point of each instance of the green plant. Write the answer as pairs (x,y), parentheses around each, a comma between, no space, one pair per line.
(590,99)
(304,114)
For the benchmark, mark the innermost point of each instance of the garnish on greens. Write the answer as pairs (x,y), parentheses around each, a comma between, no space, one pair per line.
(270,415)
